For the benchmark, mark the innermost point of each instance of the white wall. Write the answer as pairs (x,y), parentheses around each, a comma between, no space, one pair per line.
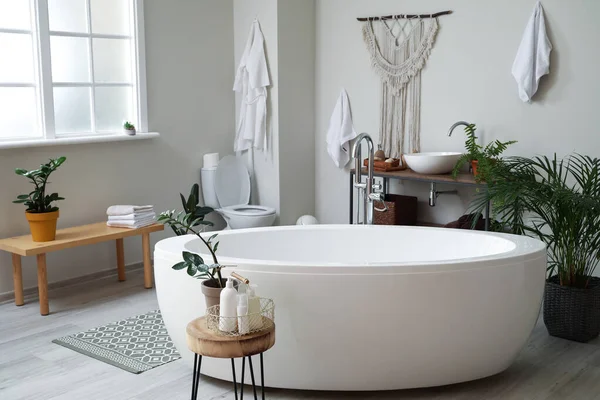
(266,164)
(189,50)
(467,77)
(284,174)
(296,20)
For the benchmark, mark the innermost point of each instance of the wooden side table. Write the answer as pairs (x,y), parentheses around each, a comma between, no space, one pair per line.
(205,343)
(74,237)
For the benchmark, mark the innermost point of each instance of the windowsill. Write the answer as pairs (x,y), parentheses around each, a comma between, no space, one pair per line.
(119,137)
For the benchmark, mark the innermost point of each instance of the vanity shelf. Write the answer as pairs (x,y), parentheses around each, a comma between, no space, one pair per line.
(409,175)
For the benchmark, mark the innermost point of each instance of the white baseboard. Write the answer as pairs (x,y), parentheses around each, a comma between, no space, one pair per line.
(33,291)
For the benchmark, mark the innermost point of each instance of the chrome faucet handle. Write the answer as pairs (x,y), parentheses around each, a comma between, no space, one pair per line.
(360,185)
(377,186)
(379,197)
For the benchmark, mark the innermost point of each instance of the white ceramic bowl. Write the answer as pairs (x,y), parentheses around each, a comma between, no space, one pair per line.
(432,163)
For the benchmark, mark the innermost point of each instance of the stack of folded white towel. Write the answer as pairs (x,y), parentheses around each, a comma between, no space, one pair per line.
(130,216)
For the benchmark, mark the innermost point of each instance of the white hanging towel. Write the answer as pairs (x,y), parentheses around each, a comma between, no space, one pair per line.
(341,131)
(252,80)
(533,58)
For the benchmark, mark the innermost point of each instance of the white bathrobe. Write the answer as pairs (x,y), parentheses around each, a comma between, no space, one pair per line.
(252,80)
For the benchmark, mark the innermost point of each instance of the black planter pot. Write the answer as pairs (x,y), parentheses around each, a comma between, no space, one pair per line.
(572,313)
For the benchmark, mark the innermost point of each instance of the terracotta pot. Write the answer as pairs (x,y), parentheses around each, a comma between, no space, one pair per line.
(212,293)
(474,165)
(42,225)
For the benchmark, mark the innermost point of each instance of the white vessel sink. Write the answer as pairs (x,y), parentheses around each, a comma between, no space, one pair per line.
(432,163)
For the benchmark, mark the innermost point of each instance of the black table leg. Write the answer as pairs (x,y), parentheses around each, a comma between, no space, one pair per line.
(262,376)
(196,375)
(242,380)
(252,376)
(234,382)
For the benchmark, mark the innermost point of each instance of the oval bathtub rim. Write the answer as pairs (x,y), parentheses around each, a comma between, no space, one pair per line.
(526,248)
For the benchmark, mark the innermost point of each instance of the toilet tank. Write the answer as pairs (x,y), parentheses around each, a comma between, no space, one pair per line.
(208,187)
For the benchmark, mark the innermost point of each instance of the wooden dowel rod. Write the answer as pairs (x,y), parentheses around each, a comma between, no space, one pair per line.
(405,16)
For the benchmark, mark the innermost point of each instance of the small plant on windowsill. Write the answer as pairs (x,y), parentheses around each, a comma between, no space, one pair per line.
(41,213)
(187,222)
(129,128)
(483,160)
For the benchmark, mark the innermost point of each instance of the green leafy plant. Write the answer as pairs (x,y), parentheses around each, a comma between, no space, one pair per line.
(38,201)
(557,201)
(192,211)
(129,126)
(187,222)
(487,157)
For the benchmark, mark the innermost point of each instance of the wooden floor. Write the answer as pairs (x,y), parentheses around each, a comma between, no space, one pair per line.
(32,368)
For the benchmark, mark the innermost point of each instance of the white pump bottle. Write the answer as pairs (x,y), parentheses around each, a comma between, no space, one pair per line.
(228,308)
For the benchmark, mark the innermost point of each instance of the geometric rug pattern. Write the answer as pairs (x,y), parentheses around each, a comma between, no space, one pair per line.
(134,344)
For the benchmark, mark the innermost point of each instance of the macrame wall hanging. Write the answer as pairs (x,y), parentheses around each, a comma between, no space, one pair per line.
(399,46)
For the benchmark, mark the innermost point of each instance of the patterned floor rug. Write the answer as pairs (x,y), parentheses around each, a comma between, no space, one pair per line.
(135,344)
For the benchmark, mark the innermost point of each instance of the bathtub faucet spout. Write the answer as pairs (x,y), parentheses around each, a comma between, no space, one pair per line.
(366,191)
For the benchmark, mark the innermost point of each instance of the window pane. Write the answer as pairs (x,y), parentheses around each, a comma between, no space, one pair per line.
(14,14)
(68,15)
(114,106)
(16,58)
(112,60)
(111,16)
(72,110)
(19,113)
(70,59)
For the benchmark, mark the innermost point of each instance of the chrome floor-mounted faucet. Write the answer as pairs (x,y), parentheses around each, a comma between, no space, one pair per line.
(366,190)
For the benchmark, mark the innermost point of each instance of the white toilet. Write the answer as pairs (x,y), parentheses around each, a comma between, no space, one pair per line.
(226,188)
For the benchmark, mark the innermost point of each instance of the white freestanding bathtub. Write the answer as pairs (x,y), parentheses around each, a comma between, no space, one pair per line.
(372,307)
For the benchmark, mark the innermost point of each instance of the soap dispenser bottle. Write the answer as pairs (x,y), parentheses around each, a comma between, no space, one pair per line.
(254,310)
(228,308)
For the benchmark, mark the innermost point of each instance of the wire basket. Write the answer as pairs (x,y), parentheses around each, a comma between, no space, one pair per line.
(244,325)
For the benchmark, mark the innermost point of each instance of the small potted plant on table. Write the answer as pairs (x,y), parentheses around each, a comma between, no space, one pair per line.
(129,128)
(482,159)
(41,213)
(187,222)
(557,201)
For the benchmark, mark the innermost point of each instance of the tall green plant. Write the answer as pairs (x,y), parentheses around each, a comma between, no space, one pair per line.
(193,263)
(557,201)
(187,222)
(487,157)
(193,212)
(37,201)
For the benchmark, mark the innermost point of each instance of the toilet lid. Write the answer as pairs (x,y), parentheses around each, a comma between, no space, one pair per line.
(232,182)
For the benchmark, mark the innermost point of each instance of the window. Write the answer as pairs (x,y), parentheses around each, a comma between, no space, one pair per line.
(70,68)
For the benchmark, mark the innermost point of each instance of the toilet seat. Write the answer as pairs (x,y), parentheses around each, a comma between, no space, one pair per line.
(232,188)
(248,210)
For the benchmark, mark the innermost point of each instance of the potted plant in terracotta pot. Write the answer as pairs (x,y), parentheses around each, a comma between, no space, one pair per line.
(481,159)
(41,213)
(187,222)
(557,201)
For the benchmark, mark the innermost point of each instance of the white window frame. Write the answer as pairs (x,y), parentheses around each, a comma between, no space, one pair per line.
(43,70)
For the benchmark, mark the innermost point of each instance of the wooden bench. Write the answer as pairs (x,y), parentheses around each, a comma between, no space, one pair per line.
(69,238)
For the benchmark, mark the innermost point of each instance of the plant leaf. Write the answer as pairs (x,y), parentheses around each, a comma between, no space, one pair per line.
(191,271)
(180,266)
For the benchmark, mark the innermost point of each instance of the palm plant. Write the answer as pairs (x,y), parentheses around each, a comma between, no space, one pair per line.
(557,201)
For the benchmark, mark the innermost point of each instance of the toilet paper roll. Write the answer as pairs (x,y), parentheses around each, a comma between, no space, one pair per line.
(211,160)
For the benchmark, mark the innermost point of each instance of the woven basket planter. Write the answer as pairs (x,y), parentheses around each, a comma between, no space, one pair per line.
(572,313)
